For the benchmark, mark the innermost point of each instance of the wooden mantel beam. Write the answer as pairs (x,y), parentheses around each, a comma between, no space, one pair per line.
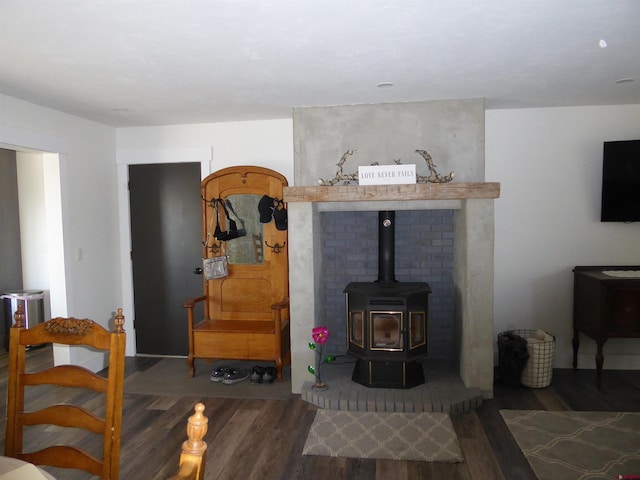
(418,191)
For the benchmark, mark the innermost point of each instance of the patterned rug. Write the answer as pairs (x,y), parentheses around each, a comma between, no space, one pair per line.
(577,445)
(427,437)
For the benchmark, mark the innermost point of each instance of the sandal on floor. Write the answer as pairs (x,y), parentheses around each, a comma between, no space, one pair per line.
(234,375)
(269,375)
(218,373)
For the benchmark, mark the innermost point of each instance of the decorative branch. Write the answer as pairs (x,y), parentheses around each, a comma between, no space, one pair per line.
(340,176)
(433,177)
(348,178)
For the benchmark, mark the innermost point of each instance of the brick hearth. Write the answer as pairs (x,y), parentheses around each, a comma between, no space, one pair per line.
(442,392)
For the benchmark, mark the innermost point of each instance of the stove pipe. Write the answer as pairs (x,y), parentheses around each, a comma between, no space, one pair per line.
(386,246)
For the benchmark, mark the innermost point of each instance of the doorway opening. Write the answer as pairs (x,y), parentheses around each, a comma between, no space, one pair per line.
(33,247)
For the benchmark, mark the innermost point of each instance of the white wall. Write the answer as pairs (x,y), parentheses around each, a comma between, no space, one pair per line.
(549,164)
(34,234)
(267,143)
(33,221)
(88,199)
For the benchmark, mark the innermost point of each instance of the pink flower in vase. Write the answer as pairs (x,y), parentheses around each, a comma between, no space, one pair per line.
(320,335)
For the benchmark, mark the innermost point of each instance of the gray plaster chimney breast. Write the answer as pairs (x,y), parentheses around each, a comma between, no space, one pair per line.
(453,134)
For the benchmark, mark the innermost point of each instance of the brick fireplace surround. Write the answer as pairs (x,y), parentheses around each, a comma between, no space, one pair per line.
(472,203)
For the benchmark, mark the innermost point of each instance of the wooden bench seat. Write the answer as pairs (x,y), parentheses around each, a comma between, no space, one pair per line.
(237,326)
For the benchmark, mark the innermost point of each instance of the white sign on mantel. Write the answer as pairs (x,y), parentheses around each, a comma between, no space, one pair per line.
(386,174)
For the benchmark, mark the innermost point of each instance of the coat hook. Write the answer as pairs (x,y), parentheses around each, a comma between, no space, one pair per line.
(215,248)
(275,248)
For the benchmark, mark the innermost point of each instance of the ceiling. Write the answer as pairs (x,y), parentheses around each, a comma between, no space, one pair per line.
(158,62)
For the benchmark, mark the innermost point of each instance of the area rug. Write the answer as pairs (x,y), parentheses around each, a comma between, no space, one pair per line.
(577,445)
(170,377)
(427,437)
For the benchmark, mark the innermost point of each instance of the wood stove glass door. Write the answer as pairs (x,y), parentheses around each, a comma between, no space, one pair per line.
(417,329)
(356,328)
(386,331)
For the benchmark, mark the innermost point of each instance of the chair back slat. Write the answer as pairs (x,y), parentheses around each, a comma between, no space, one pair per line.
(66,376)
(70,416)
(65,456)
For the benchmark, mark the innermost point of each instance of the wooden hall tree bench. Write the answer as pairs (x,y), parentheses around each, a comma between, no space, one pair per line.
(246,313)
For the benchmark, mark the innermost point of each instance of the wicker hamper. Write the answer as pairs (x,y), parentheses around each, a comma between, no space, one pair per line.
(539,368)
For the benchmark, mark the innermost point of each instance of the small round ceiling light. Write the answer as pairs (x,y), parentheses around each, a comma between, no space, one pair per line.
(384,85)
(602,43)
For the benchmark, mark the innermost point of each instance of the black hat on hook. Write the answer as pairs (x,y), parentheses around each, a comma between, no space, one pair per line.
(280,215)
(266,207)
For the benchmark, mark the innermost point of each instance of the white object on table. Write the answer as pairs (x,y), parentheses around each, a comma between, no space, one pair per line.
(622,273)
(16,469)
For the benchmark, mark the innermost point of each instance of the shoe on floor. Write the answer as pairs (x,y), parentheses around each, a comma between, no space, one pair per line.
(269,375)
(234,375)
(256,374)
(218,373)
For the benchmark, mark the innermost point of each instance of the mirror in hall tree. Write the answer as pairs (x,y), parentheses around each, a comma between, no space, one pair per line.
(247,249)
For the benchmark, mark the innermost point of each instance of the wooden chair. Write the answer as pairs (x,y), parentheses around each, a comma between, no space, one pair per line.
(246,314)
(69,418)
(193,456)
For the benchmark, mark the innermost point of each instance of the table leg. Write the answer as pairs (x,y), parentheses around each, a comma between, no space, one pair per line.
(599,363)
(576,345)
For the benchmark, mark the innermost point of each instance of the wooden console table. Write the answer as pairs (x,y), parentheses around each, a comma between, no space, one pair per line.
(604,306)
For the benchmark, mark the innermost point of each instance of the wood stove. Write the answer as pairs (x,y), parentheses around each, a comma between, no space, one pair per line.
(387,321)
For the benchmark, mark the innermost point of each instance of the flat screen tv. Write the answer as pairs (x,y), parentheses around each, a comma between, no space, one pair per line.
(621,181)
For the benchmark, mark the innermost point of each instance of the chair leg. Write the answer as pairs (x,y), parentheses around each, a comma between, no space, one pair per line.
(279,368)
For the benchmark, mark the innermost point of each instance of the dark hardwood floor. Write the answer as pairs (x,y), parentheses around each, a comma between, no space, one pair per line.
(263,439)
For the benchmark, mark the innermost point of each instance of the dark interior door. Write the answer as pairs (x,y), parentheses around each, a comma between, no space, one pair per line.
(166,248)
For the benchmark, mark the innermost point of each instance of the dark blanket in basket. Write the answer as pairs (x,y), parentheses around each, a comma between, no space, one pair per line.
(512,357)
